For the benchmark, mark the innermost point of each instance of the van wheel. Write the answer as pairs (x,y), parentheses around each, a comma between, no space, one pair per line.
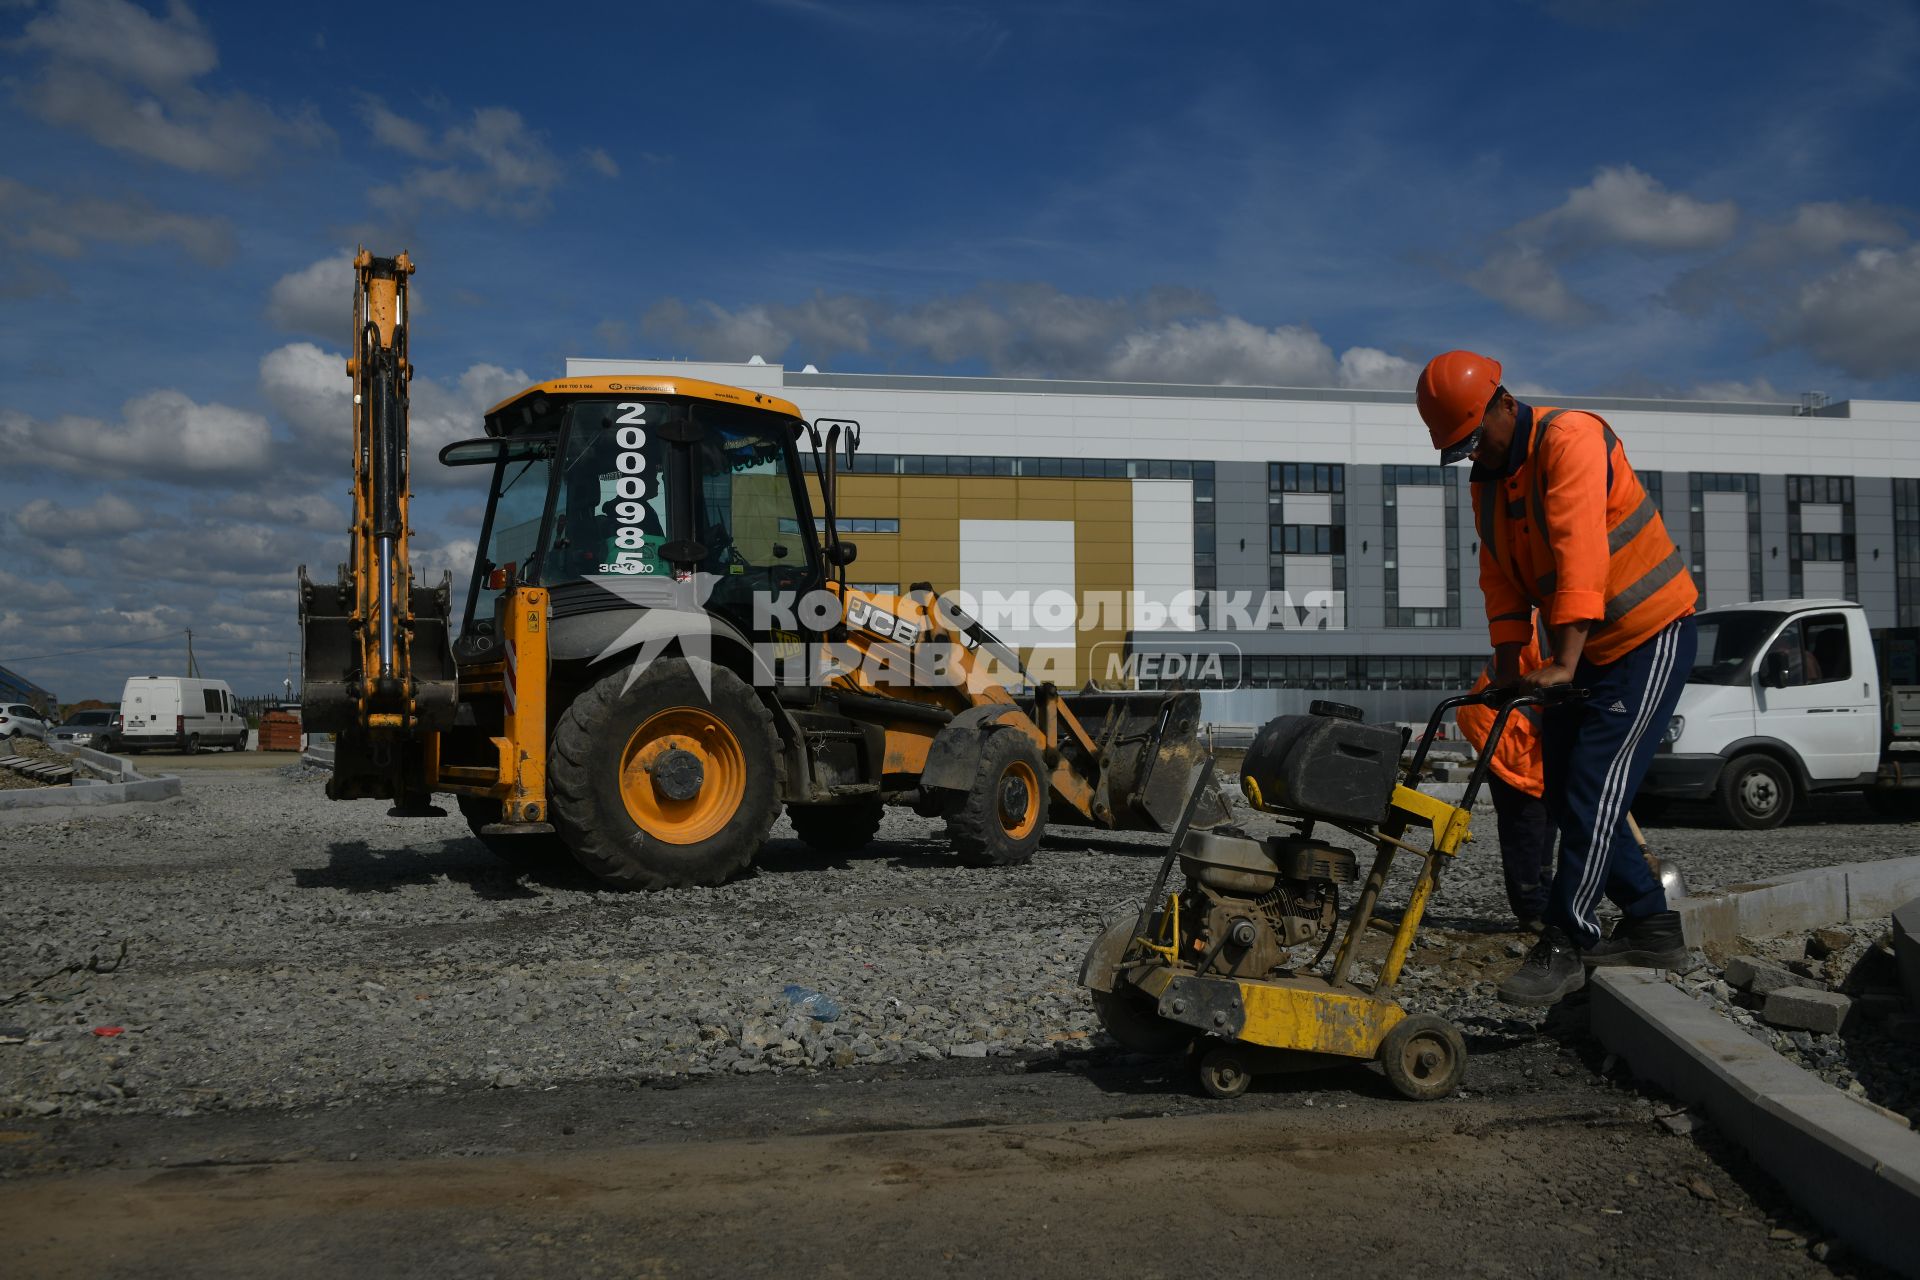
(1755,793)
(665,784)
(193,744)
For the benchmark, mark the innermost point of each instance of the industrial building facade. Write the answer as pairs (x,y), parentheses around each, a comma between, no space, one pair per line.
(1144,492)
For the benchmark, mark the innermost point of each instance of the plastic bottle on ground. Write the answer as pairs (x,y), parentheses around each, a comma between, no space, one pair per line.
(815,1004)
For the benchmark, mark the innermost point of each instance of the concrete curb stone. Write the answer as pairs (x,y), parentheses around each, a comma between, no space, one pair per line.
(1822,1012)
(1802,900)
(1855,1171)
(113,780)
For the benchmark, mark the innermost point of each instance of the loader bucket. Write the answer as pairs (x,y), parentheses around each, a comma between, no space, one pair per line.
(1150,750)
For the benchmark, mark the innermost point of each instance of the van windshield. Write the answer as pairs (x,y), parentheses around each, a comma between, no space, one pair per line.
(1729,643)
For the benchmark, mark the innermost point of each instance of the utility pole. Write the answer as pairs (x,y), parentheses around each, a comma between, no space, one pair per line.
(192,667)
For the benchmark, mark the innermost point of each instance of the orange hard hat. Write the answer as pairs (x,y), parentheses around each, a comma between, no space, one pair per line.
(1453,394)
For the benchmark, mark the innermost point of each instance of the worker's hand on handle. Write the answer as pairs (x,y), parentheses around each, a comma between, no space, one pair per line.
(1548,677)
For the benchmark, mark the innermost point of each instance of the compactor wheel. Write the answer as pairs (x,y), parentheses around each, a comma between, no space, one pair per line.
(837,828)
(1224,1072)
(660,785)
(999,822)
(1424,1057)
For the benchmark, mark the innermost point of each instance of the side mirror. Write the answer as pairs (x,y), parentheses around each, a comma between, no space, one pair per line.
(842,553)
(1776,671)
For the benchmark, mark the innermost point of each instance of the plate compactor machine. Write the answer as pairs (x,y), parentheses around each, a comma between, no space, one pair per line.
(623,687)
(1229,967)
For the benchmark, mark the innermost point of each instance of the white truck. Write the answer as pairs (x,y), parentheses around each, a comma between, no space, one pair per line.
(1790,697)
(179,713)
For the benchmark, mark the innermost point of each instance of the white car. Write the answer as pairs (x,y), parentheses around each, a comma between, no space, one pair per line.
(18,720)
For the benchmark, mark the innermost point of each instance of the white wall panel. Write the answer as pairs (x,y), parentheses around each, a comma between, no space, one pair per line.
(1308,508)
(1821,517)
(1724,529)
(1162,545)
(1004,557)
(1823,580)
(1420,517)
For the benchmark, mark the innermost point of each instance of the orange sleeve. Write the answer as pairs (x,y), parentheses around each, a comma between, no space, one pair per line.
(1509,614)
(1576,518)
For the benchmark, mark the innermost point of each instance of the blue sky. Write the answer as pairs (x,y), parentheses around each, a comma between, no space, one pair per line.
(1637,198)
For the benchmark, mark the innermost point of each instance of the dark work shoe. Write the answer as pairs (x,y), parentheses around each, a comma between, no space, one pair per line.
(1651,942)
(1551,970)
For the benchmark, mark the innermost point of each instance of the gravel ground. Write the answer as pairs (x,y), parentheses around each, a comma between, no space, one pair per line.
(284,950)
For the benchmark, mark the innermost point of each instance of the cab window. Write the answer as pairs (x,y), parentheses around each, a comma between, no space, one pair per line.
(1812,650)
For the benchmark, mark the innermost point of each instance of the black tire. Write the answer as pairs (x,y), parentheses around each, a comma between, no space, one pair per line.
(1901,806)
(591,747)
(1000,821)
(523,853)
(1224,1073)
(837,828)
(193,744)
(1424,1056)
(1755,793)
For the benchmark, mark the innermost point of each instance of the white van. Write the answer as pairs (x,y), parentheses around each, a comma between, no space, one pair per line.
(179,713)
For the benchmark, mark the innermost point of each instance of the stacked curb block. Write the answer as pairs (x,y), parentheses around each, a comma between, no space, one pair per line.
(108,780)
(1854,1170)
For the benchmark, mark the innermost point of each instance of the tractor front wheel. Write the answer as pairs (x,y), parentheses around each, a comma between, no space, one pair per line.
(668,782)
(999,821)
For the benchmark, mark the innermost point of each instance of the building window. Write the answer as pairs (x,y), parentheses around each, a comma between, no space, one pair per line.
(1420,538)
(1906,551)
(1820,538)
(847,524)
(1205,563)
(877,588)
(1652,482)
(1306,528)
(1717,501)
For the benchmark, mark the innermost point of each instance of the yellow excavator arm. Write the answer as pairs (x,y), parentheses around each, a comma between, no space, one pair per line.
(379,670)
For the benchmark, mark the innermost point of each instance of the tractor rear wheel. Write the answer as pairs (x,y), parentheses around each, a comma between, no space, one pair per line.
(999,821)
(664,783)
(837,828)
(522,853)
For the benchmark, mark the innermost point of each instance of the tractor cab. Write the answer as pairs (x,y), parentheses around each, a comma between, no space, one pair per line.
(600,479)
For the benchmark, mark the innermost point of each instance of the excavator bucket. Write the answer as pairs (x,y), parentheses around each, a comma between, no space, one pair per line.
(331,657)
(1150,752)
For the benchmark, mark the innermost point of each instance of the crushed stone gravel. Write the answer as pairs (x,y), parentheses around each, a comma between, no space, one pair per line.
(284,950)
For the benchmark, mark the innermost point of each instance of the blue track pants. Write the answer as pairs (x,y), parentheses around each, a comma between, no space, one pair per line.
(1595,754)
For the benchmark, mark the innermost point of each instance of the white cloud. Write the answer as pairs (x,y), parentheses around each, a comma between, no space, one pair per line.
(308,387)
(1623,206)
(316,299)
(600,162)
(1031,330)
(127,79)
(1864,317)
(162,435)
(35,225)
(1522,278)
(493,164)
(107,516)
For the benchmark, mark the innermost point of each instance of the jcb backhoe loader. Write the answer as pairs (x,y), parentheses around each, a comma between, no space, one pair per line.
(659,649)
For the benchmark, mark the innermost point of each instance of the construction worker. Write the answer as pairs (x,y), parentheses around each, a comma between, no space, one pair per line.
(1513,780)
(1566,528)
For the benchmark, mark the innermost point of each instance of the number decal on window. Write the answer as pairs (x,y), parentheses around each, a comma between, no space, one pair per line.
(630,510)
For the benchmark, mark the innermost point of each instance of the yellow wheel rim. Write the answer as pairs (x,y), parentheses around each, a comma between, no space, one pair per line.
(1019,800)
(683,775)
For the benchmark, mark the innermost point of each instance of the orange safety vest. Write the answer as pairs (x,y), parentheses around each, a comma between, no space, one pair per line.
(1573,534)
(1518,757)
